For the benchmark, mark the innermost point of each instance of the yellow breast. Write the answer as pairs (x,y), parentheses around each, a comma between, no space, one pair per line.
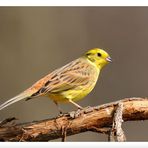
(75,94)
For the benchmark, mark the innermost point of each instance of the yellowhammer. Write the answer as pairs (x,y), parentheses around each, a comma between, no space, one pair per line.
(69,83)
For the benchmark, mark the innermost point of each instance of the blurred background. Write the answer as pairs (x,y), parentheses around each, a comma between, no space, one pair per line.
(36,40)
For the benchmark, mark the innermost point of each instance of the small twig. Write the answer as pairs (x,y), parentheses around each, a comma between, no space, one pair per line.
(117,123)
(22,137)
(104,130)
(6,121)
(63,134)
(64,131)
(111,135)
(118,120)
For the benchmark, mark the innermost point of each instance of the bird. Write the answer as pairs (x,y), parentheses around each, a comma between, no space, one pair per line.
(69,83)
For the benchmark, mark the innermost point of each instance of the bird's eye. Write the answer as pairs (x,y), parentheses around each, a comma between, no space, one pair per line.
(99,54)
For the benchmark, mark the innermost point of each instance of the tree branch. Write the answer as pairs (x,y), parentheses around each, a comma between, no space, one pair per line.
(116,130)
(96,119)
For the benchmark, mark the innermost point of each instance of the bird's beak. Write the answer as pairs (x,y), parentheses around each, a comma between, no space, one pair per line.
(109,59)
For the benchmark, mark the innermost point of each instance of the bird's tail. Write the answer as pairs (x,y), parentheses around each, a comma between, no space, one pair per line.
(17,98)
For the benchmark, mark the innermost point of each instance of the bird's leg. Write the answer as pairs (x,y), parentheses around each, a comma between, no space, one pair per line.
(59,109)
(75,104)
(75,114)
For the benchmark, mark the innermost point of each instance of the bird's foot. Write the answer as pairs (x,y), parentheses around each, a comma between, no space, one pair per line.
(61,114)
(88,109)
(81,111)
(75,114)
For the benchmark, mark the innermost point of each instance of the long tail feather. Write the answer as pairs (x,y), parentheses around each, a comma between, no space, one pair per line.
(17,98)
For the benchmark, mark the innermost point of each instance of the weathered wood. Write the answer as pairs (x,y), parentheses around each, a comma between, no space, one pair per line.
(116,131)
(97,119)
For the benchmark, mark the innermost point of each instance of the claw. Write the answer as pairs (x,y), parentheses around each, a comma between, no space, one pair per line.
(88,109)
(76,114)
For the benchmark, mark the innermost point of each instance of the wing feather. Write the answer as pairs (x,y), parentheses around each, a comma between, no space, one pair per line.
(68,77)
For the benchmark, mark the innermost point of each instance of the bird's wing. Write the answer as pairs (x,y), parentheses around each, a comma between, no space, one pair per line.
(70,76)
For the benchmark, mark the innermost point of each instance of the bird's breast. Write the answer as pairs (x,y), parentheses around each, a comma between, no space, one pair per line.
(74,94)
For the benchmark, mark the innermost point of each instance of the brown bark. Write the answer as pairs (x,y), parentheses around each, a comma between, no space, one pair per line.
(116,131)
(97,119)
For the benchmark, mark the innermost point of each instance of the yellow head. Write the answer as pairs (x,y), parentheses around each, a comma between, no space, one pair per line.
(99,57)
